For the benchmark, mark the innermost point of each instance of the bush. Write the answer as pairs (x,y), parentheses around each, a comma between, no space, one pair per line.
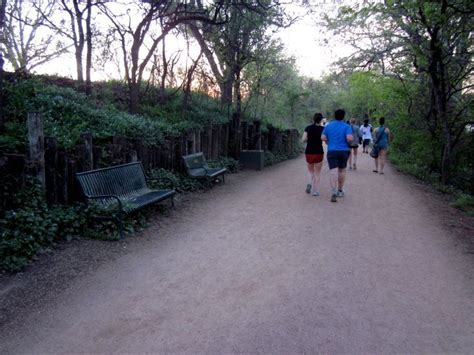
(182,182)
(272,159)
(465,203)
(32,226)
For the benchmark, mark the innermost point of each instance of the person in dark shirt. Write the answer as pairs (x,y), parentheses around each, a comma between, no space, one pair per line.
(314,153)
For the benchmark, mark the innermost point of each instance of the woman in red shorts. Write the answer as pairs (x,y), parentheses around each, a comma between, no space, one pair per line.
(314,153)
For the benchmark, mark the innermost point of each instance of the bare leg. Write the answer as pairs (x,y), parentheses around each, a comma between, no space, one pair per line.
(376,160)
(310,173)
(382,157)
(350,158)
(333,177)
(354,153)
(317,176)
(310,177)
(341,178)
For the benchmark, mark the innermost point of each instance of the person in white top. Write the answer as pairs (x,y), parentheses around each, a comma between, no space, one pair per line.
(366,132)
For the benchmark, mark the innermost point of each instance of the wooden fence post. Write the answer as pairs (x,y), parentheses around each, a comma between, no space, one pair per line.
(272,140)
(225,144)
(88,158)
(36,146)
(51,171)
(243,138)
(257,143)
(215,141)
(251,137)
(198,140)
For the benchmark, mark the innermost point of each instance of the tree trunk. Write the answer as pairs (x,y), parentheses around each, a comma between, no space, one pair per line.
(3,5)
(134,90)
(236,118)
(226,90)
(89,48)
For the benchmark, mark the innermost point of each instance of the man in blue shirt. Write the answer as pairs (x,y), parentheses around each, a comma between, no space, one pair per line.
(337,134)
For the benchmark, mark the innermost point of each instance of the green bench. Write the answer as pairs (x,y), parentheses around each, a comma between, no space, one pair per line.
(198,168)
(120,190)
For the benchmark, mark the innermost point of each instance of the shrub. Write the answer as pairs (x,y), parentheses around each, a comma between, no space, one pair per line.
(32,226)
(465,203)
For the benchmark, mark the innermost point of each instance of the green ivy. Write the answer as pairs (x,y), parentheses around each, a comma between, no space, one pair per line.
(32,226)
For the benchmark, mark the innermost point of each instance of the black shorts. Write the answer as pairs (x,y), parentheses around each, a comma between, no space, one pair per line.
(366,142)
(337,159)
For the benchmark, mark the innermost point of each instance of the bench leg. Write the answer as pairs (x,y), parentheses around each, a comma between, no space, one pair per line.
(223,178)
(172,202)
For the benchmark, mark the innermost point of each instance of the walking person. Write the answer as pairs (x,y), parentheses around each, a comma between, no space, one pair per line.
(366,132)
(383,137)
(354,145)
(314,153)
(338,135)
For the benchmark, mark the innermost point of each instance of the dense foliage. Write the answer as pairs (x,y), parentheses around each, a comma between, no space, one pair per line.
(68,113)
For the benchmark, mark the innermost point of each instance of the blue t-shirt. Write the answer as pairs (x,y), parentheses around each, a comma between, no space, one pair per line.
(336,132)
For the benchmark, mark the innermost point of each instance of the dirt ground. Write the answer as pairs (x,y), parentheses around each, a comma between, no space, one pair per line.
(259,266)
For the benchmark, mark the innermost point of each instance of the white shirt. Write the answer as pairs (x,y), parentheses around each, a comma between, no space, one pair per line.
(366,132)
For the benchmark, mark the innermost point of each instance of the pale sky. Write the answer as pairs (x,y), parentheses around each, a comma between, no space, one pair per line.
(303,40)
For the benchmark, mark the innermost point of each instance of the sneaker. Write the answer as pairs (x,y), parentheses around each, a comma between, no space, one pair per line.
(333,198)
(308,188)
(316,193)
(350,167)
(340,193)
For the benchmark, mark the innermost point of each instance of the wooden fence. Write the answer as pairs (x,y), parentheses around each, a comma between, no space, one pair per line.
(56,168)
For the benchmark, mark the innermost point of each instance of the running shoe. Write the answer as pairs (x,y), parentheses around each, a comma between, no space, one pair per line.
(308,188)
(334,198)
(340,193)
(316,193)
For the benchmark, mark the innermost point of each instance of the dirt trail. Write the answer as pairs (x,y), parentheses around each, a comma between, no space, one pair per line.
(258,266)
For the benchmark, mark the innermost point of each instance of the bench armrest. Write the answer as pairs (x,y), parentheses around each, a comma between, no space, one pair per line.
(97,197)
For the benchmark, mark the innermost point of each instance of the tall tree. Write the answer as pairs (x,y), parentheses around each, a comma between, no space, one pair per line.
(79,30)
(230,47)
(3,5)
(431,38)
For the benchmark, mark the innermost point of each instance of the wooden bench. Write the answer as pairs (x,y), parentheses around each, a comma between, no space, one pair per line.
(198,168)
(121,189)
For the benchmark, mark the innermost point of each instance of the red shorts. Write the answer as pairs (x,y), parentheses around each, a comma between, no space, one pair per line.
(314,158)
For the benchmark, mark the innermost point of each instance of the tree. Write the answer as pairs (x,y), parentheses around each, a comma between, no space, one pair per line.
(230,47)
(429,41)
(25,47)
(3,5)
(139,42)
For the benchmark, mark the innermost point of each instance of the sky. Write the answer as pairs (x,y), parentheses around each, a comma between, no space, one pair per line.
(303,40)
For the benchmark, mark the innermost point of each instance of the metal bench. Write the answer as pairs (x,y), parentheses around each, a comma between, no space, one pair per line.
(198,168)
(120,190)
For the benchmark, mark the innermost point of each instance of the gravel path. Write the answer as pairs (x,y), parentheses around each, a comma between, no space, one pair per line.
(258,266)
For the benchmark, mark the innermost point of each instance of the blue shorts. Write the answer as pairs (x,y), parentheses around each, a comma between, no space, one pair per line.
(337,159)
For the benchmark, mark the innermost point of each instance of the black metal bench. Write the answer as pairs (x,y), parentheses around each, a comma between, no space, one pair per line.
(198,168)
(120,190)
